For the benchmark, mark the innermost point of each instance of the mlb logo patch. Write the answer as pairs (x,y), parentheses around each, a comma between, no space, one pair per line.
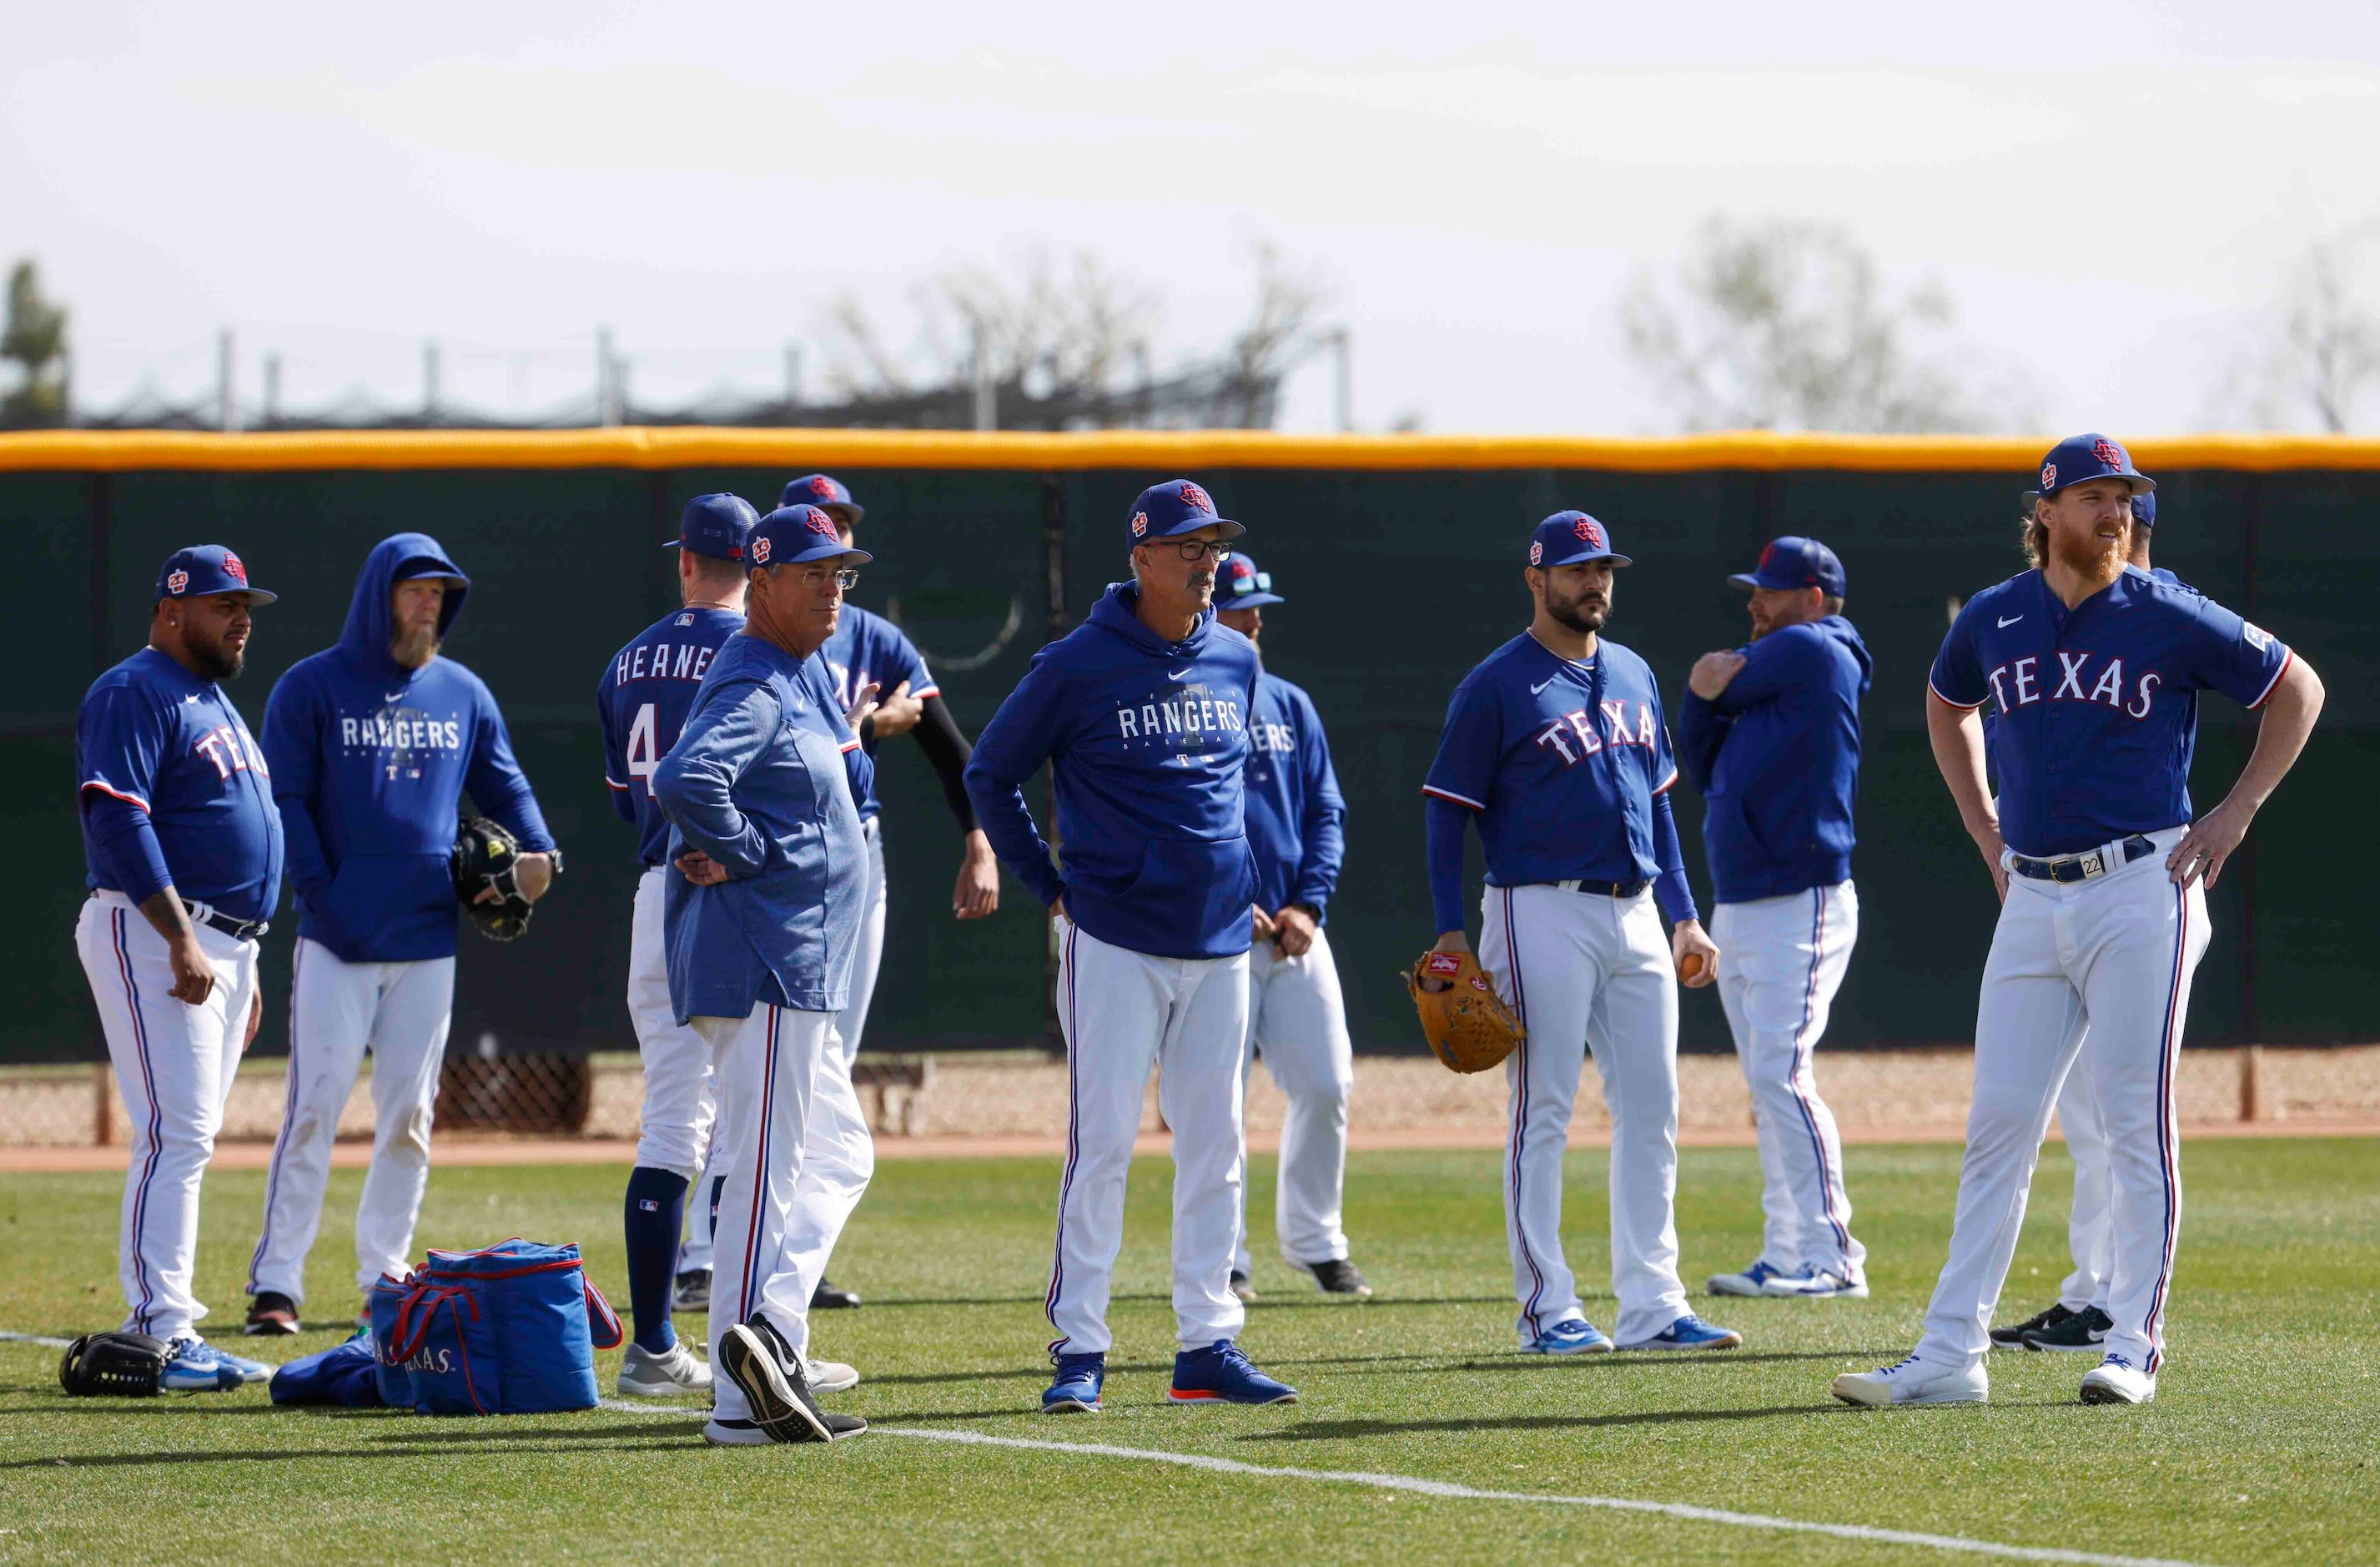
(1195,498)
(177,581)
(1442,965)
(685,620)
(759,551)
(2049,476)
(1139,524)
(233,569)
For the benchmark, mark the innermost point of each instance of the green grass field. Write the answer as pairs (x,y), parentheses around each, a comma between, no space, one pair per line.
(2264,1444)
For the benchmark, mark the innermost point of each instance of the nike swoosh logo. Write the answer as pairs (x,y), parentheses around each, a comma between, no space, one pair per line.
(393,697)
(1543,684)
(2011,621)
(1182,675)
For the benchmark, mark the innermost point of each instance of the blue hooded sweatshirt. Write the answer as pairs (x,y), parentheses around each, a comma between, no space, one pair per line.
(1147,742)
(1777,759)
(1296,816)
(370,760)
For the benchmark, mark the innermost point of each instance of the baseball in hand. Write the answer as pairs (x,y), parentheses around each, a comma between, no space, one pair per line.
(1690,968)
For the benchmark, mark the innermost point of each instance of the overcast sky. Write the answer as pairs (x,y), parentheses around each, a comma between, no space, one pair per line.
(2108,192)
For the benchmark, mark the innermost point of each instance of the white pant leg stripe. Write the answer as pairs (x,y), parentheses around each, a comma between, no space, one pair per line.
(156,1122)
(288,1115)
(759,1165)
(1803,1046)
(1521,1115)
(2168,1154)
(1073,1144)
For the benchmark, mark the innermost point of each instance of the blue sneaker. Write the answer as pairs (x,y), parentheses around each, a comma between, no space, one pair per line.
(1076,1389)
(1752,1280)
(1572,1336)
(1813,1283)
(194,1366)
(1691,1332)
(1221,1374)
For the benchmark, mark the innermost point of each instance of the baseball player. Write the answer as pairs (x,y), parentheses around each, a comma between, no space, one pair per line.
(760,924)
(869,653)
(1555,743)
(1142,713)
(372,743)
(1770,733)
(1296,1015)
(2102,873)
(2077,1321)
(184,852)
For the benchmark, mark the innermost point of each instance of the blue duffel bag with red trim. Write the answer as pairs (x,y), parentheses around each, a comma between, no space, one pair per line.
(508,1329)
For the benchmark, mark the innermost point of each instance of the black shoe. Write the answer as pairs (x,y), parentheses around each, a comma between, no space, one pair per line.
(1339,1277)
(272,1314)
(2082,1332)
(2012,1336)
(776,1384)
(832,1296)
(1241,1287)
(691,1291)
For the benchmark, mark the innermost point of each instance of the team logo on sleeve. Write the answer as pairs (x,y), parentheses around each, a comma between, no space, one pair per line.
(175,581)
(233,569)
(2257,636)
(1196,499)
(759,551)
(1588,533)
(1139,524)
(1536,552)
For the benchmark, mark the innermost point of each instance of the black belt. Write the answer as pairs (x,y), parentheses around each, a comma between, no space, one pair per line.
(238,929)
(1604,889)
(2082,866)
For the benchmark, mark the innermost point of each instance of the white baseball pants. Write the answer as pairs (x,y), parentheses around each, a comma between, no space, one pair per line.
(2118,950)
(175,1064)
(339,1010)
(1124,1013)
(1581,969)
(1298,1018)
(2089,1233)
(674,1129)
(767,1064)
(1781,962)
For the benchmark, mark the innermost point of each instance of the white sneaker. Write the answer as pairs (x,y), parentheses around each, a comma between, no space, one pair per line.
(644,1374)
(1813,1283)
(1914,1381)
(2117,1381)
(831,1376)
(736,1433)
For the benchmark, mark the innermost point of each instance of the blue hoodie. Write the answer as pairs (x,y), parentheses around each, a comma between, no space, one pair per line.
(370,760)
(1146,741)
(1777,759)
(1296,816)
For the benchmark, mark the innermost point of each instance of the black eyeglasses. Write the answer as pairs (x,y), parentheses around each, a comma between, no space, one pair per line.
(846,578)
(1197,549)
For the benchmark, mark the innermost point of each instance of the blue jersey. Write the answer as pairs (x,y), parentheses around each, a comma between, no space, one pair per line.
(642,703)
(1148,743)
(1295,813)
(1561,760)
(157,740)
(866,646)
(2098,705)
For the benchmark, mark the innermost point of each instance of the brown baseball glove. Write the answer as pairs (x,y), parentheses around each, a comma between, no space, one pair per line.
(1469,1028)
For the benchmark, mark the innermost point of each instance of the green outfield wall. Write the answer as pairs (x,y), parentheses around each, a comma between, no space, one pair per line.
(1399,558)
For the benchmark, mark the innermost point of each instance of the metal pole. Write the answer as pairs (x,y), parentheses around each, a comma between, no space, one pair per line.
(792,376)
(604,366)
(271,389)
(986,395)
(429,379)
(227,414)
(1342,378)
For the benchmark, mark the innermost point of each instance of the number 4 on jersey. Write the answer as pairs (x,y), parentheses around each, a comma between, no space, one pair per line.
(644,748)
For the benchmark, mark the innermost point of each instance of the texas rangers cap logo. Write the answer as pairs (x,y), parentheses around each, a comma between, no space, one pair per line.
(1195,498)
(1139,524)
(759,551)
(2049,476)
(175,581)
(1767,556)
(822,485)
(1588,532)
(233,569)
(2107,452)
(819,522)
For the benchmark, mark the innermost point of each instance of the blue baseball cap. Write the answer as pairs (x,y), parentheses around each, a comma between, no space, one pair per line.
(2081,458)
(715,524)
(1794,562)
(203,570)
(826,492)
(1176,506)
(796,535)
(1243,585)
(2144,508)
(1572,539)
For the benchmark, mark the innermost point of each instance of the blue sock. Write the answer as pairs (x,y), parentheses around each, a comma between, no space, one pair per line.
(717,1188)
(655,1211)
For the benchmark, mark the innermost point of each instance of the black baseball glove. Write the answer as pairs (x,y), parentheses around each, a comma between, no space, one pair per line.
(113,1366)
(487,856)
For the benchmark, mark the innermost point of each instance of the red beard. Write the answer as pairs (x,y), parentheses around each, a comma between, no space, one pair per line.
(2090,556)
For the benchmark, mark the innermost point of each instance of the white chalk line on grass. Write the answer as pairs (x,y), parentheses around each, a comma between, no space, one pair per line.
(36,1338)
(1453,1492)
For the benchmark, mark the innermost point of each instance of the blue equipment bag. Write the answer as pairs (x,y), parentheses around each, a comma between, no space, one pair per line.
(509,1330)
(347,1375)
(396,1383)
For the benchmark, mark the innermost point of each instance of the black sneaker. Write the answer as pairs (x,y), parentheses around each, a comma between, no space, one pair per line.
(272,1314)
(2082,1332)
(2012,1336)
(691,1291)
(1339,1277)
(1241,1287)
(776,1384)
(832,1296)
